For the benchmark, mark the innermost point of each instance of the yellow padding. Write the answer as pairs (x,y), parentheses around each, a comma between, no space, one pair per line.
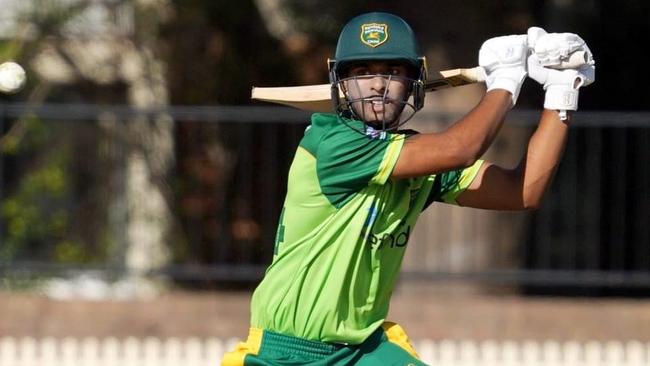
(250,347)
(397,335)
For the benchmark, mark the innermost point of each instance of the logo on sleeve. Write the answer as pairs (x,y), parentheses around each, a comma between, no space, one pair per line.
(374,34)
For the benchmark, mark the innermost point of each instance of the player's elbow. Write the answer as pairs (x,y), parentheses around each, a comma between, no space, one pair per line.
(466,155)
(530,205)
(469,151)
(532,200)
(529,196)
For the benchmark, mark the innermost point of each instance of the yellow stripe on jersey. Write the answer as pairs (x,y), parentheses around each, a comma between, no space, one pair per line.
(390,159)
(466,178)
(250,347)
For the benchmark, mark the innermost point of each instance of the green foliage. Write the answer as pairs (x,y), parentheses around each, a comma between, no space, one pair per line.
(35,213)
(70,252)
(29,134)
(9,50)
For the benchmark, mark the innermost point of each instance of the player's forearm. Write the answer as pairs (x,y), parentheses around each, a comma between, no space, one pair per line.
(542,158)
(478,129)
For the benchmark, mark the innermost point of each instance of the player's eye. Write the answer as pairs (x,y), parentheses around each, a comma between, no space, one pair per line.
(397,71)
(360,71)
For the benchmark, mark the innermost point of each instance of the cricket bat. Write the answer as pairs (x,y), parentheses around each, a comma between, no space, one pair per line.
(318,98)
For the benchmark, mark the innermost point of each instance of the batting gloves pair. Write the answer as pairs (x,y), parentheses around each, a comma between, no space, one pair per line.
(560,62)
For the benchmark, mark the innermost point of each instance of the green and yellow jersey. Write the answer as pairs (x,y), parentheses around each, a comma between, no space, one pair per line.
(343,232)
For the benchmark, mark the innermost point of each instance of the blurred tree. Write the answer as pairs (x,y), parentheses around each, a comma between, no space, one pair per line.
(216,51)
(37,181)
(95,52)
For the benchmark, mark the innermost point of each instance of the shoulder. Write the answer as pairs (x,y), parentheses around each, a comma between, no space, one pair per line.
(330,129)
(321,124)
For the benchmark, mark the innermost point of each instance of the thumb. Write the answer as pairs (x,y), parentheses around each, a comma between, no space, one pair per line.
(534,33)
(536,71)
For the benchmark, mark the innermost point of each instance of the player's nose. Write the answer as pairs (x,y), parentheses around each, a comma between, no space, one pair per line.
(379,83)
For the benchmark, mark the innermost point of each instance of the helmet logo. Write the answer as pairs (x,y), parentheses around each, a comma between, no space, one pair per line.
(374,34)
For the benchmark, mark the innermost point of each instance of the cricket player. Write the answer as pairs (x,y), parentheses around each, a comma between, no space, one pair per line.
(358,183)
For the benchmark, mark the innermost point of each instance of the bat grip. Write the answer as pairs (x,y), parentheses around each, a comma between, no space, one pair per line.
(476,73)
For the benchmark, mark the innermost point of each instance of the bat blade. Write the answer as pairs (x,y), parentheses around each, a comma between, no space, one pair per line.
(312,98)
(318,98)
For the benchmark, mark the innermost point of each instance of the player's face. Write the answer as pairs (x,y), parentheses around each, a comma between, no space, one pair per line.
(377,91)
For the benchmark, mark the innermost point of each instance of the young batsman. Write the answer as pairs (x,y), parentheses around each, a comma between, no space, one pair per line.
(357,185)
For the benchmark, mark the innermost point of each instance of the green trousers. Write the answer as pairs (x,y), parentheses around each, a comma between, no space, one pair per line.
(388,345)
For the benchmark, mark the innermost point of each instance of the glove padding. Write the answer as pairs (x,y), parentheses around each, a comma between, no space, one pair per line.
(503,60)
(553,49)
(562,86)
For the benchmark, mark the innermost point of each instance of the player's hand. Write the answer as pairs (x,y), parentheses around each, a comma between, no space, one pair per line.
(555,49)
(504,61)
(562,86)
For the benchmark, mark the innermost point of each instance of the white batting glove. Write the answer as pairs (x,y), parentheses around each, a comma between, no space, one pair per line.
(561,86)
(549,51)
(554,49)
(503,60)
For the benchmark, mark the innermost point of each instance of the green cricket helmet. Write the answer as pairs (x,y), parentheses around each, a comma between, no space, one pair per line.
(378,36)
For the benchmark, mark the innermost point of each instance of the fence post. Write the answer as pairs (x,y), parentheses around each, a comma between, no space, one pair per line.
(89,353)
(152,352)
(8,352)
(110,351)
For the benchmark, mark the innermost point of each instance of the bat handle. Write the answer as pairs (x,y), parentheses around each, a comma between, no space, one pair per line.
(476,73)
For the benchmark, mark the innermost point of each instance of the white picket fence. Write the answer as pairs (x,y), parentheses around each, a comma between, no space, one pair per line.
(207,352)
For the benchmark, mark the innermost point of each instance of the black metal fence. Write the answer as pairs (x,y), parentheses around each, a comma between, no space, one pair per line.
(64,174)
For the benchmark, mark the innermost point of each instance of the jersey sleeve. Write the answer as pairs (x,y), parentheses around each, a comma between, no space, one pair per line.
(348,161)
(449,185)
